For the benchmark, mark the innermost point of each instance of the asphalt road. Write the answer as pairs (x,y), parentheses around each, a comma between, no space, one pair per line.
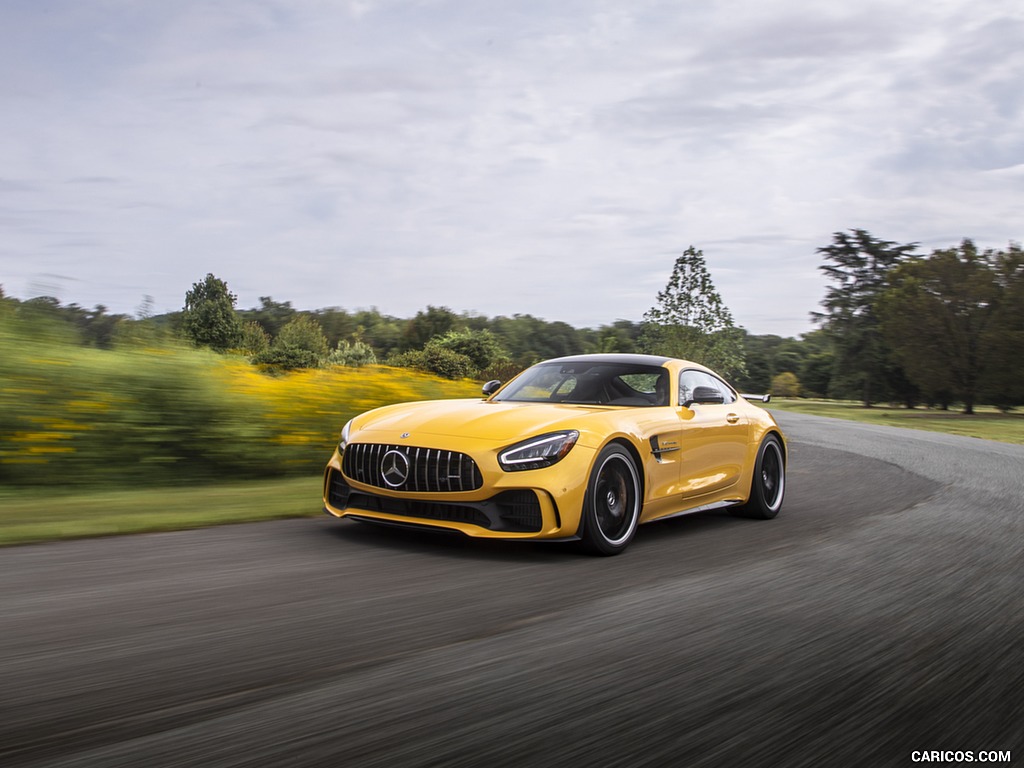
(881,613)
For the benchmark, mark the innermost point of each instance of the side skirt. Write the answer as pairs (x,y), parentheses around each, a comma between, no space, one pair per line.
(725,504)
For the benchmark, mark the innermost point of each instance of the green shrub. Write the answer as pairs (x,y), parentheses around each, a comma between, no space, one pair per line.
(286,358)
(255,340)
(354,355)
(444,362)
(481,347)
(304,332)
(786,385)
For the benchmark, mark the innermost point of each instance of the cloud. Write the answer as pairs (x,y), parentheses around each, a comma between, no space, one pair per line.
(518,158)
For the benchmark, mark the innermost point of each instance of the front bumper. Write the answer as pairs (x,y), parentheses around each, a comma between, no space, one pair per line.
(534,504)
(512,511)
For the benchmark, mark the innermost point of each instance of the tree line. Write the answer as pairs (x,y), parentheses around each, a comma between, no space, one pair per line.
(896,326)
(939,328)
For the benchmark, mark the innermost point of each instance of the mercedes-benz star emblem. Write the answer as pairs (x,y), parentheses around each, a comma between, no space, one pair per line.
(394,469)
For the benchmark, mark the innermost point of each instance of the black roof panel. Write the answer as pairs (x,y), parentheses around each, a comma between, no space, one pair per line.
(613,358)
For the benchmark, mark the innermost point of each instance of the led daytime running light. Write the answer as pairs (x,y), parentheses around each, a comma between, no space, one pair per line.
(538,452)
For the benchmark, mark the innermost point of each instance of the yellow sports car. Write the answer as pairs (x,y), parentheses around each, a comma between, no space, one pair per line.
(578,448)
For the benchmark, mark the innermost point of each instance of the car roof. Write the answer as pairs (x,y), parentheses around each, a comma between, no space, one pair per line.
(612,358)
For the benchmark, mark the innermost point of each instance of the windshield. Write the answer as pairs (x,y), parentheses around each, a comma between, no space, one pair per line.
(589,384)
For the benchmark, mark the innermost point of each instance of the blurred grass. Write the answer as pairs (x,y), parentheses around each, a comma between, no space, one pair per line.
(34,515)
(154,435)
(986,423)
(166,414)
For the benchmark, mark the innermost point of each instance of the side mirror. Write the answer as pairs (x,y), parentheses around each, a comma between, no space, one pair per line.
(491,387)
(705,396)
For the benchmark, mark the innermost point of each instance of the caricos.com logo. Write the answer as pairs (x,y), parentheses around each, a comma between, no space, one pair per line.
(960,756)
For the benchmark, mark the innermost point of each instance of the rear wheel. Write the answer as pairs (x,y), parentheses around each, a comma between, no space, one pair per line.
(768,485)
(611,509)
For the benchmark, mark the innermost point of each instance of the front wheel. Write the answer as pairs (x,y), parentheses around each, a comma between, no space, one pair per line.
(768,485)
(611,509)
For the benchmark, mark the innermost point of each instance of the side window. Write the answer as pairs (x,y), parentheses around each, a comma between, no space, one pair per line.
(690,380)
(727,393)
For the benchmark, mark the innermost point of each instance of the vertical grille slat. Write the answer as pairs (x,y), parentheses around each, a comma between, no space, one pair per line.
(430,469)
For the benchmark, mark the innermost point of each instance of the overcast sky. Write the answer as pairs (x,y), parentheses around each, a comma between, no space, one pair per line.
(549,158)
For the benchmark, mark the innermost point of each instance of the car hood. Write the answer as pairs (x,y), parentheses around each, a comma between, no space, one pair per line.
(477,419)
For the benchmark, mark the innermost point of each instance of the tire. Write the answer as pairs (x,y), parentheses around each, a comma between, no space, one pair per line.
(611,507)
(768,485)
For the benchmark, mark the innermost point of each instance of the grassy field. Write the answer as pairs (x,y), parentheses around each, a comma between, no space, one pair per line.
(986,423)
(31,516)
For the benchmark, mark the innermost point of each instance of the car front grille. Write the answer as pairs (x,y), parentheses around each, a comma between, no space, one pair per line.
(421,470)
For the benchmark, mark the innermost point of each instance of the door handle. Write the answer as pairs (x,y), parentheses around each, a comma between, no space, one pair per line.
(732,418)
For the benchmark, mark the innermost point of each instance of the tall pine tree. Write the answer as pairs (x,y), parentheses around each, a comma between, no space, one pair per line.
(691,322)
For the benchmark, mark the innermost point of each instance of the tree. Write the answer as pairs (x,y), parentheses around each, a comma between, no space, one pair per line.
(481,347)
(271,315)
(338,325)
(938,316)
(304,332)
(435,321)
(620,336)
(528,339)
(1004,382)
(690,320)
(758,357)
(300,344)
(816,374)
(95,326)
(209,318)
(254,339)
(382,332)
(859,266)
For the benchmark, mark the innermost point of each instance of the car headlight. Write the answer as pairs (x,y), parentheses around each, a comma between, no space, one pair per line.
(343,440)
(538,452)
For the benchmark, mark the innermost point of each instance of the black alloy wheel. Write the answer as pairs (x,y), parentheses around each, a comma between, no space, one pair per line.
(768,485)
(611,509)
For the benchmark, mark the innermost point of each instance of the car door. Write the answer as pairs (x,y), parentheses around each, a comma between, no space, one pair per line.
(714,436)
(663,433)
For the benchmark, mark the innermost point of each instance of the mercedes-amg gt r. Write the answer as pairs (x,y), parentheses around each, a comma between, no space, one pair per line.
(577,448)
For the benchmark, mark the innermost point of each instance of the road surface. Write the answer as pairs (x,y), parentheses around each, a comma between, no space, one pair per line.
(880,614)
